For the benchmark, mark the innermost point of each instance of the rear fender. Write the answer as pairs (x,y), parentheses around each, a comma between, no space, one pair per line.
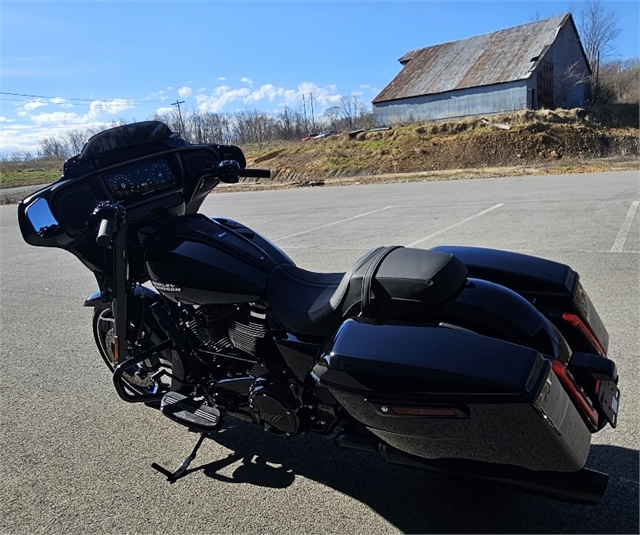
(494,310)
(552,287)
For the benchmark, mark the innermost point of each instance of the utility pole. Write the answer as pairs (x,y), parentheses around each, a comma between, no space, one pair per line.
(313,120)
(177,103)
(304,113)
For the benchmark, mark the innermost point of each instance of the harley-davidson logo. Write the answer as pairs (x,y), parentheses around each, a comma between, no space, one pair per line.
(164,287)
(271,418)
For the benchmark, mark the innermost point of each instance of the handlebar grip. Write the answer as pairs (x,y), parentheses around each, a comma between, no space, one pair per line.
(105,232)
(255,173)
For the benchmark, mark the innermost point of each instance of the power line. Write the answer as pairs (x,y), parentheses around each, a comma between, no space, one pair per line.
(75,99)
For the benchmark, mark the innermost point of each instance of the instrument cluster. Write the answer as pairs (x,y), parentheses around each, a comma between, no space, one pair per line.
(133,182)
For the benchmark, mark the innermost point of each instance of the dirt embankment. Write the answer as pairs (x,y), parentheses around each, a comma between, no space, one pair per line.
(564,140)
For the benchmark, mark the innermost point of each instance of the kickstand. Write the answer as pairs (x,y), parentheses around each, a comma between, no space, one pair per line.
(172,477)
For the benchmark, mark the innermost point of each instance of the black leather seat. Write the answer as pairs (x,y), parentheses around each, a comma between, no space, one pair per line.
(401,282)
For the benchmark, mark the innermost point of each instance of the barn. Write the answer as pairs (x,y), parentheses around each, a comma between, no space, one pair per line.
(537,65)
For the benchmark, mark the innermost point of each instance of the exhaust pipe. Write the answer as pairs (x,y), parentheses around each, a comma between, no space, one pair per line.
(584,487)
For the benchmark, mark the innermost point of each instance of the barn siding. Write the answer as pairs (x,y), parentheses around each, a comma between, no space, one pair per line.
(454,104)
(566,54)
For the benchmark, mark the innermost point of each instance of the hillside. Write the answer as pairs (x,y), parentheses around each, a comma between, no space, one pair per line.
(542,141)
(527,142)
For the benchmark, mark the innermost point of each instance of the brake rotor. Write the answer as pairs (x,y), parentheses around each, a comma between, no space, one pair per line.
(139,378)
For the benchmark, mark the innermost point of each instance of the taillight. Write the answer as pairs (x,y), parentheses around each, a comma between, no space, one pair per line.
(576,322)
(575,391)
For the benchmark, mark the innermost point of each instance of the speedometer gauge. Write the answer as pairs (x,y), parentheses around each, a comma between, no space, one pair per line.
(132,182)
(158,173)
(120,185)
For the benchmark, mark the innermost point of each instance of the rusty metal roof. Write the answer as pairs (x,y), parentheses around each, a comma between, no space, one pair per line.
(493,58)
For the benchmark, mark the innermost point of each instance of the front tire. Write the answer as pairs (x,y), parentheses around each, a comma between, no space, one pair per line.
(140,337)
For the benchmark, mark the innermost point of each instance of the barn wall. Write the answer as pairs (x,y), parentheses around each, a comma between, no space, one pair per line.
(454,104)
(572,79)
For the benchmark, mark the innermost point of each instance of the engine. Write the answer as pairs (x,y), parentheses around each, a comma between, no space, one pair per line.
(274,407)
(246,373)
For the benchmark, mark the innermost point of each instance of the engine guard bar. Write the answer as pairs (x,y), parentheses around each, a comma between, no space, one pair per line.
(124,366)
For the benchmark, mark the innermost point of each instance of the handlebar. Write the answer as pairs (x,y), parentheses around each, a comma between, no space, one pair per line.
(111,216)
(105,232)
(229,171)
(255,173)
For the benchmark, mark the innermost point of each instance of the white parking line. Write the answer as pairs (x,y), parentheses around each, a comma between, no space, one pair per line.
(437,233)
(332,224)
(618,245)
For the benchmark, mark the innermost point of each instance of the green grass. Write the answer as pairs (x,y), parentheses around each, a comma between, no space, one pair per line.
(36,172)
(13,179)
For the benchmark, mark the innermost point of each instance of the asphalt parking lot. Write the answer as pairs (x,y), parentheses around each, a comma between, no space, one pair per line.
(76,459)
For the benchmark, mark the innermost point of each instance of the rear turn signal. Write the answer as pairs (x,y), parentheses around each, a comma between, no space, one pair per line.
(576,322)
(575,392)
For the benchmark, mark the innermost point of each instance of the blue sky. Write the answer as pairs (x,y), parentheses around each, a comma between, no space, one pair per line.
(87,63)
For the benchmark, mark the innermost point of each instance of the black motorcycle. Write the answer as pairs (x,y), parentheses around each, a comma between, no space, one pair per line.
(480,363)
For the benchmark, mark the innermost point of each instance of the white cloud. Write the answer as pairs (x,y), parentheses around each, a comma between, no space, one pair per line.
(224,95)
(269,91)
(165,110)
(26,109)
(185,92)
(246,80)
(156,94)
(57,100)
(58,118)
(222,78)
(109,107)
(4,119)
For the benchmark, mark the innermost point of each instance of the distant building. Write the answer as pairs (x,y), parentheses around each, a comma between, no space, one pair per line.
(537,65)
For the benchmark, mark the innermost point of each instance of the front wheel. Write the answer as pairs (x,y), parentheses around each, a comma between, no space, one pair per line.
(145,378)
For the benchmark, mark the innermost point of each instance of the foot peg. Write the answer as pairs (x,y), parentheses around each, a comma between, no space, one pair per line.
(196,415)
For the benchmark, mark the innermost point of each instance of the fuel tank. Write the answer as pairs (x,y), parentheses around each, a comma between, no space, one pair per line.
(200,260)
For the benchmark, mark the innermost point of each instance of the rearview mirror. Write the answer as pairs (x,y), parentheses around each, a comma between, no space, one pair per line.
(42,220)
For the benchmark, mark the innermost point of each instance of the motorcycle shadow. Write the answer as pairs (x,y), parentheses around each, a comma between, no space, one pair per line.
(421,502)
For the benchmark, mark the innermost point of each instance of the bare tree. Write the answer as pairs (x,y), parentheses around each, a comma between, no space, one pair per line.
(20,156)
(254,126)
(621,80)
(76,139)
(599,30)
(333,116)
(53,148)
(350,108)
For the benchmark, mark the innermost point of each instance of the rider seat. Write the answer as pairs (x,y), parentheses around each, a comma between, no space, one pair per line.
(385,283)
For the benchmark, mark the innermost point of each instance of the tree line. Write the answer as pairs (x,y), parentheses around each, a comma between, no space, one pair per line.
(240,128)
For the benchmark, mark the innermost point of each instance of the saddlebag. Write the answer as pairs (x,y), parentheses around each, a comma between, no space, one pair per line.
(445,393)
